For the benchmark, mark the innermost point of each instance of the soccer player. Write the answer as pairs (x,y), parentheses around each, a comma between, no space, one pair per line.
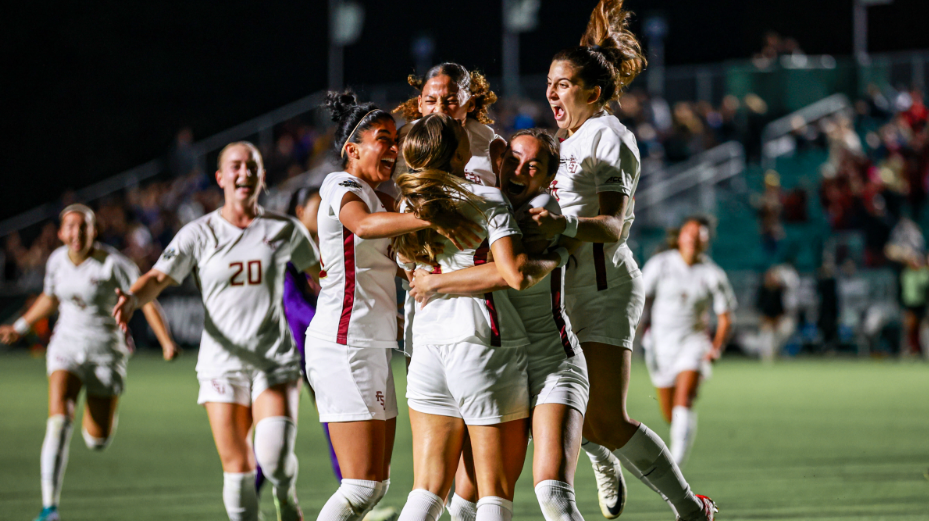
(351,337)
(87,349)
(681,286)
(468,369)
(248,366)
(557,371)
(449,88)
(604,295)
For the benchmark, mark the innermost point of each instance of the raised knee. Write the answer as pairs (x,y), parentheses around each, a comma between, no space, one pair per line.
(274,446)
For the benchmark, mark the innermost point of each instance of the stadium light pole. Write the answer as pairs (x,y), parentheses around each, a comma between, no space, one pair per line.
(860,24)
(518,16)
(345,20)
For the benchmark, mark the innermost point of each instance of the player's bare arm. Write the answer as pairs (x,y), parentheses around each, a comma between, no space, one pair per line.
(604,228)
(143,291)
(723,328)
(43,307)
(154,314)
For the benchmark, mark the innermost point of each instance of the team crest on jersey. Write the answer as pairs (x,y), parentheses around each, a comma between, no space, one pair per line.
(471,176)
(570,163)
(169,254)
(79,302)
(348,183)
(95,281)
(553,188)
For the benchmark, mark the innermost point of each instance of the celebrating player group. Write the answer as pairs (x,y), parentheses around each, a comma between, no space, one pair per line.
(523,302)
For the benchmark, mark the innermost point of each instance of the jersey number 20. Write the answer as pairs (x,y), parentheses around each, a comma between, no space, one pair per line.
(252,274)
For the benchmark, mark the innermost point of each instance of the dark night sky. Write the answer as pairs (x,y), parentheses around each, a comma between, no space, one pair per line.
(95,88)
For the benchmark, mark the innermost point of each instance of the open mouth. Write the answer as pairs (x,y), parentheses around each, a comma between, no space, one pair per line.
(388,162)
(244,186)
(515,188)
(559,112)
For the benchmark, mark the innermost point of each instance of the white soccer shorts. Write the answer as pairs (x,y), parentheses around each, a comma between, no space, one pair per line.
(351,383)
(480,384)
(101,375)
(609,316)
(244,386)
(666,356)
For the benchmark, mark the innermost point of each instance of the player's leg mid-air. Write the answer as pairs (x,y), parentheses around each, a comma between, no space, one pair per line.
(87,351)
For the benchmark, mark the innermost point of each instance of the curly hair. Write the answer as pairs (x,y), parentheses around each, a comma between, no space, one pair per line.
(609,55)
(352,119)
(474,82)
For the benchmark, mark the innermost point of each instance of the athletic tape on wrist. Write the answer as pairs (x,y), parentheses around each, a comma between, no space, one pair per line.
(21,326)
(570,226)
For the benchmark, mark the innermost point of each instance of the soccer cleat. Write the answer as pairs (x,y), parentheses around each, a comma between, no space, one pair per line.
(709,508)
(611,487)
(289,511)
(382,514)
(48,514)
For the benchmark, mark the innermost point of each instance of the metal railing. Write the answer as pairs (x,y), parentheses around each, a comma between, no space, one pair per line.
(691,185)
(776,138)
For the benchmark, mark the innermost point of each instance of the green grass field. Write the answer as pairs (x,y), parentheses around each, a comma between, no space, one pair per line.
(823,440)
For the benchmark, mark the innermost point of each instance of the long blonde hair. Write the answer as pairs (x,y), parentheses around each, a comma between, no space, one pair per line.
(434,196)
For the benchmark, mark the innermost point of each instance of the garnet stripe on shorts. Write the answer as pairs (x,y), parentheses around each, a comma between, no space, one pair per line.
(480,257)
(556,313)
(348,299)
(599,266)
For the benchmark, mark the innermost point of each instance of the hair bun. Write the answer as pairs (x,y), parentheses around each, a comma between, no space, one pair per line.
(340,103)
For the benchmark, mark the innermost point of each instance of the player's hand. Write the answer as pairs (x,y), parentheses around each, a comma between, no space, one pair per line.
(170,351)
(547,224)
(8,335)
(713,355)
(124,308)
(420,287)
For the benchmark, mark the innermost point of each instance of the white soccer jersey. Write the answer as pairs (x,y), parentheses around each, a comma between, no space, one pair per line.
(357,305)
(240,273)
(489,319)
(684,295)
(541,307)
(478,170)
(602,156)
(86,294)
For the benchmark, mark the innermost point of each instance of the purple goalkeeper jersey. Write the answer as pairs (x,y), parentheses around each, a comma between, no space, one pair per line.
(299,306)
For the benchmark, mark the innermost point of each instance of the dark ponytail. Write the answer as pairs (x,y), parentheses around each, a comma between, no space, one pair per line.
(352,119)
(609,55)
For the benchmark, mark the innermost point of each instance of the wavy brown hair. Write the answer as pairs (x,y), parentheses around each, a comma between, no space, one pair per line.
(609,56)
(473,82)
(432,142)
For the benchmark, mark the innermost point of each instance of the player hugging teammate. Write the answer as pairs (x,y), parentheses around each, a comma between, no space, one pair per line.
(523,304)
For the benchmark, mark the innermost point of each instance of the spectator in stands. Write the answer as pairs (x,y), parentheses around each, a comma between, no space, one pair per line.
(828,315)
(182,158)
(770,304)
(768,206)
(914,285)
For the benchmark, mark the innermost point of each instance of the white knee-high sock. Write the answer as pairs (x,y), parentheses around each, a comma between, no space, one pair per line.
(683,433)
(54,458)
(461,509)
(421,505)
(647,453)
(493,508)
(274,449)
(240,496)
(351,501)
(557,501)
(598,454)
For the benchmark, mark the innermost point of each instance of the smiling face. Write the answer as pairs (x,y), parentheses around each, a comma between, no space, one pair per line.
(76,233)
(572,103)
(694,238)
(524,170)
(240,175)
(441,94)
(374,156)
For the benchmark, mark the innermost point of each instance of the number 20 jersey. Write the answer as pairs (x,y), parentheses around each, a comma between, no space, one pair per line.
(240,273)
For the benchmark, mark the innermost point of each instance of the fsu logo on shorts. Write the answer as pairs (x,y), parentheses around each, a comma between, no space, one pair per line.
(379,396)
(218,386)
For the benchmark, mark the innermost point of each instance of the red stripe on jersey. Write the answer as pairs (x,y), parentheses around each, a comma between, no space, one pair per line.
(348,299)
(480,254)
(557,310)
(494,320)
(599,266)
